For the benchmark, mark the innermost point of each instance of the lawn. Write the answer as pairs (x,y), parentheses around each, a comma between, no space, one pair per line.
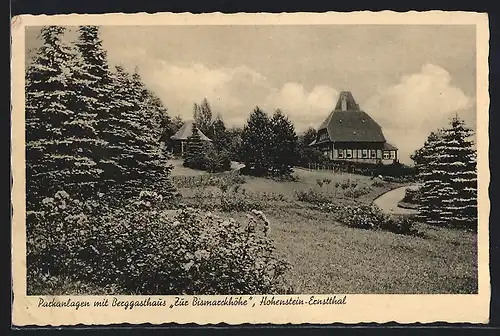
(329,257)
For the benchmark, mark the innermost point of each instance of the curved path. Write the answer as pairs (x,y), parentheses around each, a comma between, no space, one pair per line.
(388,202)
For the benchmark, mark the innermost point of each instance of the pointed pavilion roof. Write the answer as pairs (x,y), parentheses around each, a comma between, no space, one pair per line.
(348,123)
(186,131)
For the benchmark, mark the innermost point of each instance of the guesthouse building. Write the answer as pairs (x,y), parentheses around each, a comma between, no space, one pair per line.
(349,134)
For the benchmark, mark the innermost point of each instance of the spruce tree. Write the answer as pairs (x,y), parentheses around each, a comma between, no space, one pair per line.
(458,160)
(447,168)
(95,98)
(283,144)
(194,157)
(255,143)
(136,137)
(431,179)
(60,137)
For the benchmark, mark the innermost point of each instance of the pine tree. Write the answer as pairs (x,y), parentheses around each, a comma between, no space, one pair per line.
(194,157)
(59,137)
(447,168)
(283,144)
(255,143)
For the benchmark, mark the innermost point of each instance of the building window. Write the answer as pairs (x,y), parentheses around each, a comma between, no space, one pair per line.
(349,154)
(365,153)
(379,154)
(386,155)
(323,136)
(354,154)
(373,154)
(341,154)
(393,155)
(359,154)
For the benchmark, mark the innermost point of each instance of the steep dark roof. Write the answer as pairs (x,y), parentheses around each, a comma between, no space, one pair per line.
(388,146)
(186,131)
(348,123)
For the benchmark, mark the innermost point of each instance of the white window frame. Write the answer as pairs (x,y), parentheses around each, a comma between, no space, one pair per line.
(349,154)
(341,154)
(365,153)
(386,155)
(393,155)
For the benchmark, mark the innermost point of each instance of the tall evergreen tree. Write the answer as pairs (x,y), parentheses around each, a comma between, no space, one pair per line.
(203,117)
(137,136)
(220,135)
(430,201)
(448,172)
(194,157)
(458,160)
(234,135)
(94,87)
(59,137)
(421,156)
(283,144)
(255,143)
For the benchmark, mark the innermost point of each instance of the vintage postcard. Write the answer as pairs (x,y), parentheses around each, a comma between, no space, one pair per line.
(250,168)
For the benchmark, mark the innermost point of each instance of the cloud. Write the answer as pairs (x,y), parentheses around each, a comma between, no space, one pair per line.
(304,108)
(419,104)
(232,91)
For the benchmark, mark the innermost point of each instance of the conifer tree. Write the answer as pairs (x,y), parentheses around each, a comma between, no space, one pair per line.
(255,143)
(430,201)
(283,144)
(203,117)
(60,138)
(220,136)
(94,88)
(135,139)
(448,173)
(194,157)
(458,160)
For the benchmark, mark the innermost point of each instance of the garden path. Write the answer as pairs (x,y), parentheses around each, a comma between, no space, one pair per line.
(388,202)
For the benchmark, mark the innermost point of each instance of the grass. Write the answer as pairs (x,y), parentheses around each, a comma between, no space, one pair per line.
(328,257)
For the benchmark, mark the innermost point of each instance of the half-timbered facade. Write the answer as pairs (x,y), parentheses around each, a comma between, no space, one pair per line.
(350,134)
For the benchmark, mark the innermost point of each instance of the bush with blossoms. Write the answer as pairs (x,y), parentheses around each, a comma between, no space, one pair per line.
(369,217)
(144,249)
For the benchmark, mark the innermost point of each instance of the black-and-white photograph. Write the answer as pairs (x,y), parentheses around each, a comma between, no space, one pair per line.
(251,159)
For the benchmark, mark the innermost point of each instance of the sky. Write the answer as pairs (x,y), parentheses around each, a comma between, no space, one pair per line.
(410,79)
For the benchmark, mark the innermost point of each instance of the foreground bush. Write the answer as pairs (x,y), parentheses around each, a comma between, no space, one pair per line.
(369,217)
(144,250)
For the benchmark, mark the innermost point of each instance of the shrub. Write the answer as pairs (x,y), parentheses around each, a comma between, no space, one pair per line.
(216,161)
(369,217)
(378,183)
(355,192)
(412,196)
(311,196)
(209,180)
(144,250)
